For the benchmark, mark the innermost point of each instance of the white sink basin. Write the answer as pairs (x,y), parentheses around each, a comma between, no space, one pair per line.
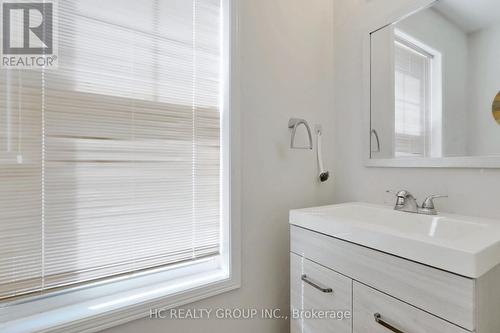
(463,245)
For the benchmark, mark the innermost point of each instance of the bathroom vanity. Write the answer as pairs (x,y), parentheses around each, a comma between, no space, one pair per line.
(394,271)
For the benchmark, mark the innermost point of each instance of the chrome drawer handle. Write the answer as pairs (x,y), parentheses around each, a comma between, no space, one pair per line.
(380,321)
(316,285)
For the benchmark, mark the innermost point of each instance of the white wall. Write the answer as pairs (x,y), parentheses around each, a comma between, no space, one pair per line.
(473,192)
(484,84)
(286,70)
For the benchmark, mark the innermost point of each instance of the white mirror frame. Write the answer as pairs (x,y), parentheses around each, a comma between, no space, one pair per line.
(444,162)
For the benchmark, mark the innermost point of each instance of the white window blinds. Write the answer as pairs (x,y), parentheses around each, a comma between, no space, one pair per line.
(412,116)
(111,163)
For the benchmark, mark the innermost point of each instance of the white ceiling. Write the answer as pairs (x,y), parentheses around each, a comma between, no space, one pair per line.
(470,15)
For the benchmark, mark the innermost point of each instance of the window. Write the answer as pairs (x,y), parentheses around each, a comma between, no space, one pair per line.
(122,170)
(417,110)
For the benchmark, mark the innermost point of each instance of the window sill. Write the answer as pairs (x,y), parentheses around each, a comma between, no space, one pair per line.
(87,310)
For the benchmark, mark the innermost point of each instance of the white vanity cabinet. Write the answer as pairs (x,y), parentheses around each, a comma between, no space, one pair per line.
(385,293)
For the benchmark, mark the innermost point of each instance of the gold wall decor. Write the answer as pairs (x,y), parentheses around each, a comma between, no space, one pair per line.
(496,108)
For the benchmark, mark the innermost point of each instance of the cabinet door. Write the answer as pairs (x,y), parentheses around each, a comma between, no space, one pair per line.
(320,298)
(375,312)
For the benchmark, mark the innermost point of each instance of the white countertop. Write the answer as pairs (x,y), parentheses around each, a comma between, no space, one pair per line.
(463,245)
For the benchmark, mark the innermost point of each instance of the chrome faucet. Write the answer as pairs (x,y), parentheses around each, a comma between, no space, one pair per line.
(406,202)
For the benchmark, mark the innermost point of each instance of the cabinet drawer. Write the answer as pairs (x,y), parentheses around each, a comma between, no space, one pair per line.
(444,294)
(393,315)
(316,288)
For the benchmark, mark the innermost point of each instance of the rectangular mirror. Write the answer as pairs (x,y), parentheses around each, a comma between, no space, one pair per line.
(435,87)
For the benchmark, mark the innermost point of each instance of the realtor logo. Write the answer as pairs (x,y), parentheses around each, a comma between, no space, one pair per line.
(28,35)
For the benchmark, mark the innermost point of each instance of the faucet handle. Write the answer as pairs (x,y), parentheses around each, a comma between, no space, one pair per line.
(429,202)
(428,205)
(402,197)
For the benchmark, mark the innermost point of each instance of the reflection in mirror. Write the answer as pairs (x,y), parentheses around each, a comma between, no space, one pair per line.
(433,76)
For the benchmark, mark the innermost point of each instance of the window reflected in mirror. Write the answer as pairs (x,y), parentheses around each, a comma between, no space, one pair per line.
(417,118)
(433,75)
